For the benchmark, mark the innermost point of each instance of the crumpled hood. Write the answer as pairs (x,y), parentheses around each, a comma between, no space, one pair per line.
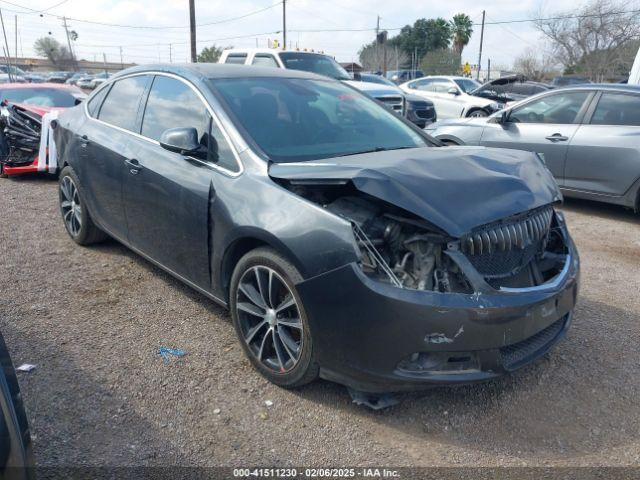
(454,188)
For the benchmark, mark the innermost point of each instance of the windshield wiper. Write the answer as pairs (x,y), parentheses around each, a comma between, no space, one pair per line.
(373,150)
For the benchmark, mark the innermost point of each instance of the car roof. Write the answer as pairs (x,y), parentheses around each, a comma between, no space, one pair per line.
(614,87)
(219,70)
(34,86)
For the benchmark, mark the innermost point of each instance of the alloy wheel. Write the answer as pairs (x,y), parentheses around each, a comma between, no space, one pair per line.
(478,114)
(269,319)
(70,206)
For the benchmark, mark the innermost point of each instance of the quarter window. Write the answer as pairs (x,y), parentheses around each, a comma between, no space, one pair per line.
(617,109)
(120,108)
(561,108)
(263,60)
(93,106)
(237,58)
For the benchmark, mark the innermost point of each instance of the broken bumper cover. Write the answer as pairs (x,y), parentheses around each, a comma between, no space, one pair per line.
(376,337)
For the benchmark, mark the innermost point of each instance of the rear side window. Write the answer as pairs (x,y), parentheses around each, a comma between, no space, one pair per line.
(173,104)
(237,58)
(120,108)
(93,106)
(264,60)
(617,109)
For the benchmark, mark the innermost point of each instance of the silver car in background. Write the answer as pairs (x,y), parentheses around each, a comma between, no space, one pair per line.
(588,136)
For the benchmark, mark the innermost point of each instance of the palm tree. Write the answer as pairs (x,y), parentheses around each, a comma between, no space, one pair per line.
(461,30)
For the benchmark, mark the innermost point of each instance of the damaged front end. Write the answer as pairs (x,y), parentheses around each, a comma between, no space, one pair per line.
(399,248)
(465,270)
(19,135)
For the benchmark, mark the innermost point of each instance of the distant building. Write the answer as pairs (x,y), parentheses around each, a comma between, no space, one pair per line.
(43,65)
(351,67)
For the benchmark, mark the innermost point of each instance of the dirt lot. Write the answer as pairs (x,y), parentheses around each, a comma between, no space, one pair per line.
(92,320)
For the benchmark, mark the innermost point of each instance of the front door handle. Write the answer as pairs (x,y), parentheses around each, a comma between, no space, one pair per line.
(556,137)
(134,166)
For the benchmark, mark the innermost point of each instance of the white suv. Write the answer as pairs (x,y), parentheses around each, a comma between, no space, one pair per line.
(316,63)
(451,96)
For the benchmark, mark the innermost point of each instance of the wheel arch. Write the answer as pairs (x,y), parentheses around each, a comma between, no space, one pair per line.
(475,109)
(245,241)
(450,140)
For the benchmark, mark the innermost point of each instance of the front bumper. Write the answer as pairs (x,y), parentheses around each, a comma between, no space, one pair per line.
(20,169)
(367,333)
(422,116)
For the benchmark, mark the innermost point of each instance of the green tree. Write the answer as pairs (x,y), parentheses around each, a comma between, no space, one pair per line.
(423,36)
(53,50)
(461,30)
(210,54)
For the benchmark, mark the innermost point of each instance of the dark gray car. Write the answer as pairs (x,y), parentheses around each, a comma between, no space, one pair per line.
(345,243)
(588,136)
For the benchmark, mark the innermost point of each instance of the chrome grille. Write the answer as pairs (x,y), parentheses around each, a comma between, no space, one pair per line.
(500,249)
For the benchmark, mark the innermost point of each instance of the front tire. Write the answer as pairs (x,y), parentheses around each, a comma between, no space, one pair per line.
(270,320)
(478,113)
(75,215)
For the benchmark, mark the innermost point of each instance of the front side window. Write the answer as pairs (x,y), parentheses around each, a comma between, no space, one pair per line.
(173,104)
(422,85)
(298,119)
(236,58)
(560,108)
(120,108)
(617,109)
(314,63)
(263,60)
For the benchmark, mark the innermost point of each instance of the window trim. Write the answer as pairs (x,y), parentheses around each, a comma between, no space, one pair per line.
(145,96)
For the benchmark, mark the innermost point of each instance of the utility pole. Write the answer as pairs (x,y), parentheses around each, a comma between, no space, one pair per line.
(480,53)
(16,28)
(7,52)
(377,44)
(104,61)
(121,62)
(66,29)
(192,26)
(284,24)
(488,69)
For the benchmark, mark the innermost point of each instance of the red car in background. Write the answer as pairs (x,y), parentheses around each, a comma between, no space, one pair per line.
(27,103)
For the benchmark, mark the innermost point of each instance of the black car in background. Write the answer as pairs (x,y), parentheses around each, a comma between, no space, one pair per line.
(511,88)
(16,455)
(344,242)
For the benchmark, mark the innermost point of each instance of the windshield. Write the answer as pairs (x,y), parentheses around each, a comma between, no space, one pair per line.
(466,84)
(314,63)
(43,97)
(294,119)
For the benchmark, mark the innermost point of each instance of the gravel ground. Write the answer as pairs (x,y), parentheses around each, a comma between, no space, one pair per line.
(92,320)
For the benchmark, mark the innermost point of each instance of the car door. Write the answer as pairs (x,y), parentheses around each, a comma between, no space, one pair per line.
(168,196)
(544,125)
(604,154)
(452,103)
(106,143)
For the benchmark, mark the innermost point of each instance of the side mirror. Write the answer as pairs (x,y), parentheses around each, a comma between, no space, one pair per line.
(181,140)
(453,91)
(504,117)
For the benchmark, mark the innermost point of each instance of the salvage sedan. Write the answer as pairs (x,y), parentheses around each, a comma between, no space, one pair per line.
(344,243)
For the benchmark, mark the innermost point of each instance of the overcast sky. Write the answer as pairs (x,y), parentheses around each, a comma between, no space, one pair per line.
(502,43)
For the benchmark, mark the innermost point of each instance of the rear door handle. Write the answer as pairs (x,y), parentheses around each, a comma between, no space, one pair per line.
(556,137)
(134,166)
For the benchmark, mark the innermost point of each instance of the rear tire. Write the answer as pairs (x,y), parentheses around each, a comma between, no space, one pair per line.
(270,320)
(75,214)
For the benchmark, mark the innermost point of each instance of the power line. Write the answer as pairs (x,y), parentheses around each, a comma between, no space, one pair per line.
(143,27)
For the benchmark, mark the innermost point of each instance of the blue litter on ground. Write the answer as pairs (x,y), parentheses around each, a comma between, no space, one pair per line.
(166,352)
